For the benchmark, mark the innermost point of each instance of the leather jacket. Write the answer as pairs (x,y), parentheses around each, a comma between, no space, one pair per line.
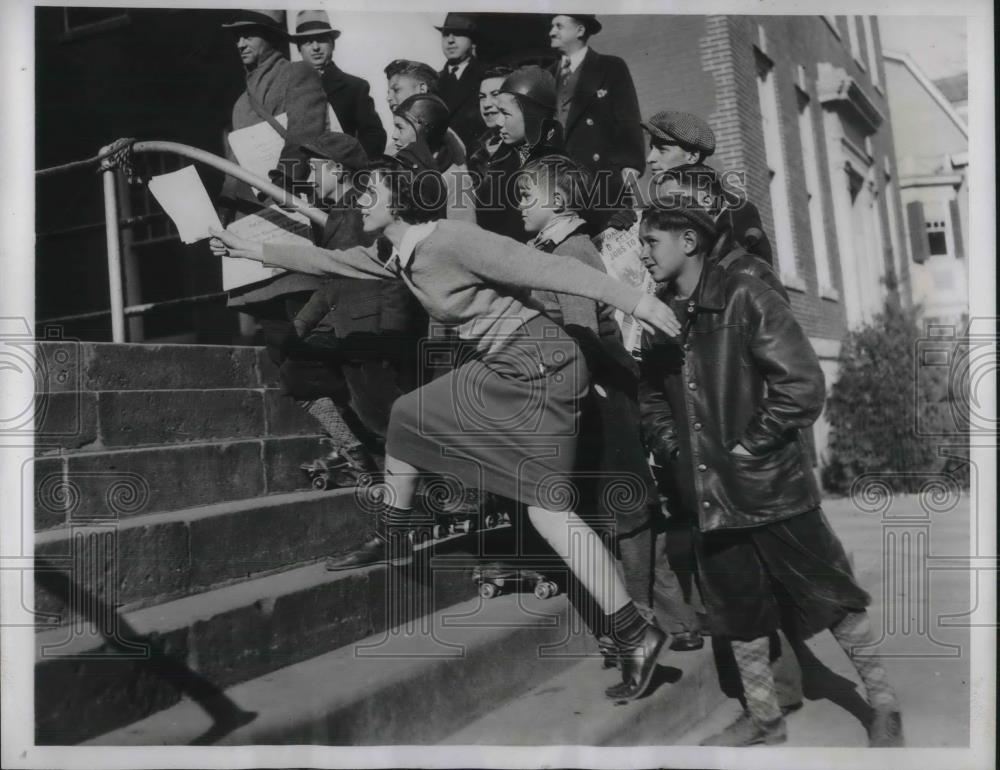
(742,372)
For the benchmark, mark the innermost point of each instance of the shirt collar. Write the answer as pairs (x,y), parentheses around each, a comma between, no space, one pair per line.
(411,239)
(576,57)
(460,68)
(558,229)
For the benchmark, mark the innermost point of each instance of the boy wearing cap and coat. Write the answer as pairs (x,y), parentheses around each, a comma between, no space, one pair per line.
(356,341)
(598,109)
(348,95)
(724,404)
(458,80)
(680,139)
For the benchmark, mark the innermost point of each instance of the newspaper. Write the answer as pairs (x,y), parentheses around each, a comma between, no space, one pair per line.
(620,251)
(267,225)
(184,198)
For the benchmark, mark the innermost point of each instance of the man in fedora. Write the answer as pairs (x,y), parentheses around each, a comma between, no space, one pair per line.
(274,85)
(598,108)
(459,79)
(348,95)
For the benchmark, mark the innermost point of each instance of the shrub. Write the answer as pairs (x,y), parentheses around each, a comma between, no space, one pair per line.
(879,398)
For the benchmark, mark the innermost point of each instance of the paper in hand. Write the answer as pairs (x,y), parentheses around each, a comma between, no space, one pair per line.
(272,224)
(183,196)
(620,250)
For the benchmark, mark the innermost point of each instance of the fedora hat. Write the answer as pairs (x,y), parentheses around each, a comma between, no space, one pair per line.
(313,24)
(272,20)
(588,20)
(458,24)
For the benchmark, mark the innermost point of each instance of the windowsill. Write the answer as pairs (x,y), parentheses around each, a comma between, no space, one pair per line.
(830,293)
(793,281)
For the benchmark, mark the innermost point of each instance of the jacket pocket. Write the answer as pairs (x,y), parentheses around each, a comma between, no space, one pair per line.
(770,482)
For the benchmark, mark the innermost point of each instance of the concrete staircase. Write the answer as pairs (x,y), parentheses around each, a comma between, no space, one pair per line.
(180,599)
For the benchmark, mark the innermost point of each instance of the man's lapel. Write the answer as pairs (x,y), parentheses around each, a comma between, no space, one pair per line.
(587,85)
(333,78)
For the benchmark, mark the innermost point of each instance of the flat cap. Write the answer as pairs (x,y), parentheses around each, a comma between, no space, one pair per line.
(339,147)
(685,206)
(689,131)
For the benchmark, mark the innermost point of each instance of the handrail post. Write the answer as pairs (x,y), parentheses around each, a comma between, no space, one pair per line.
(114,250)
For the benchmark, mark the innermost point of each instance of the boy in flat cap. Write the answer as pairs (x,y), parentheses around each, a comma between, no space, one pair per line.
(355,345)
(459,79)
(599,111)
(349,96)
(680,139)
(723,408)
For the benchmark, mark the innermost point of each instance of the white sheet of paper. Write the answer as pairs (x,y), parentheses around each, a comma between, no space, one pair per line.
(620,251)
(258,147)
(183,196)
(267,225)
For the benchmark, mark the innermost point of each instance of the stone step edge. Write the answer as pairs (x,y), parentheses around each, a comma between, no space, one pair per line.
(94,451)
(336,693)
(193,513)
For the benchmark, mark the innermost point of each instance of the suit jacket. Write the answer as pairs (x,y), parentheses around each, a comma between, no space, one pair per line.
(602,130)
(462,98)
(351,100)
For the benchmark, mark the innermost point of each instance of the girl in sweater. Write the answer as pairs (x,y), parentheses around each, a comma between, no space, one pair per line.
(505,421)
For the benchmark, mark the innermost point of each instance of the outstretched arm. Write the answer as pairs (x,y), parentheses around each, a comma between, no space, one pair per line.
(514,264)
(355,262)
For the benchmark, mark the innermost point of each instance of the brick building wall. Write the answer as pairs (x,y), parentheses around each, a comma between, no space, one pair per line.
(709,65)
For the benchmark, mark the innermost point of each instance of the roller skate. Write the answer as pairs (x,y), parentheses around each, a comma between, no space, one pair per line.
(496,579)
(339,468)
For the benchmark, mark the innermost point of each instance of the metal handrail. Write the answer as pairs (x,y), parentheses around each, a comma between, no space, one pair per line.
(108,158)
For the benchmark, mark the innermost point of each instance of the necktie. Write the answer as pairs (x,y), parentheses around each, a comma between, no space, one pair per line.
(564,68)
(453,70)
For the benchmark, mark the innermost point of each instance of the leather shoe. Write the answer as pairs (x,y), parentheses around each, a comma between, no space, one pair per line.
(886,729)
(637,666)
(687,641)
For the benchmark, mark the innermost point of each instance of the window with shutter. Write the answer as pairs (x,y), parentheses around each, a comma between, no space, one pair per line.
(956,229)
(918,231)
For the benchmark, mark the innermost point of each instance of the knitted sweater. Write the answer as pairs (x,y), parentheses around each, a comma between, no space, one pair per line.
(467,277)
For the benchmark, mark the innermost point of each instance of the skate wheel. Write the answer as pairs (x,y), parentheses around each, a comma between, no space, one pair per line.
(553,589)
(488,590)
(543,590)
(439,531)
(490,521)
(320,482)
(469,526)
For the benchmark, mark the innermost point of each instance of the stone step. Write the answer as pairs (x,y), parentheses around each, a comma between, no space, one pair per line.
(63,366)
(411,686)
(570,710)
(138,561)
(92,421)
(119,483)
(86,685)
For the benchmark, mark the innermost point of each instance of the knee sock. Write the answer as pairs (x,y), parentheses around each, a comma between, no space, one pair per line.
(627,626)
(754,664)
(325,412)
(854,633)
